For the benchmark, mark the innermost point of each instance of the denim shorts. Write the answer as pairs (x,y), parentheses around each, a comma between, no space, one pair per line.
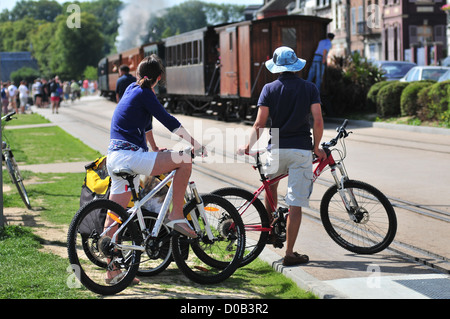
(140,162)
(298,164)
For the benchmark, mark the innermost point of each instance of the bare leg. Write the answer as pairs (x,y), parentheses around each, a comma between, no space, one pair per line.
(292,228)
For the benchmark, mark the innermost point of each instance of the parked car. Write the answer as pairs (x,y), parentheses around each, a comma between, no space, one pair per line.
(445,77)
(394,70)
(419,73)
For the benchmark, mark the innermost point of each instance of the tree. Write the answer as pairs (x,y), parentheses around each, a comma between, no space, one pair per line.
(27,74)
(76,48)
(43,43)
(191,15)
(39,10)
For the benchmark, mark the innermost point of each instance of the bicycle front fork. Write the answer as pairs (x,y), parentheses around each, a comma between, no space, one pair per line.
(201,210)
(347,196)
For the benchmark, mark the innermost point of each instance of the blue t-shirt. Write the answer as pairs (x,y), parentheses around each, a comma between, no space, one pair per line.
(123,82)
(132,117)
(324,44)
(289,99)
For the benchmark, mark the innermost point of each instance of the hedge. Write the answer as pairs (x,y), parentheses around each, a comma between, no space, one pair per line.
(434,101)
(409,104)
(371,100)
(388,99)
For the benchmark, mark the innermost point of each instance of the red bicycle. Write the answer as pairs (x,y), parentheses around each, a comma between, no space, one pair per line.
(356,215)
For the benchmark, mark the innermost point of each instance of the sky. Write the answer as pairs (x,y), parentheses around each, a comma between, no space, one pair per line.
(9,4)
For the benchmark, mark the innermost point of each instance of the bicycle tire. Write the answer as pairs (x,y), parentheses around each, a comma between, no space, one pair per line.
(16,178)
(253,217)
(375,226)
(211,262)
(91,275)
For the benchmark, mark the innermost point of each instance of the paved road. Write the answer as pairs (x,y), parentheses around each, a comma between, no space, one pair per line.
(407,165)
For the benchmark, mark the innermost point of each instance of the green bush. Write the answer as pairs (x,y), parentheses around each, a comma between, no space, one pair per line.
(388,99)
(25,73)
(434,102)
(408,100)
(347,82)
(371,100)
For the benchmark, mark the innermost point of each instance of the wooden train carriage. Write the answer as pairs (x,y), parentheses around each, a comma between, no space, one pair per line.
(114,62)
(132,58)
(191,72)
(102,72)
(245,46)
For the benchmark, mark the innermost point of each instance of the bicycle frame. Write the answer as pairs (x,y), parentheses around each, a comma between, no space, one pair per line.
(321,167)
(153,233)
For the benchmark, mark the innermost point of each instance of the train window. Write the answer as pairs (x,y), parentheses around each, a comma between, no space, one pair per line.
(289,37)
(189,53)
(179,55)
(169,56)
(195,55)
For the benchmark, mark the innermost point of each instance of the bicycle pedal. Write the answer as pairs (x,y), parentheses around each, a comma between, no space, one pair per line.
(278,244)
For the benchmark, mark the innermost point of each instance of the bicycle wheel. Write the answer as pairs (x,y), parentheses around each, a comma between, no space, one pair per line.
(211,261)
(254,217)
(159,250)
(88,261)
(16,178)
(368,228)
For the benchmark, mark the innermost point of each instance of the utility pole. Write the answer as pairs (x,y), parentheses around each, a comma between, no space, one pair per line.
(2,218)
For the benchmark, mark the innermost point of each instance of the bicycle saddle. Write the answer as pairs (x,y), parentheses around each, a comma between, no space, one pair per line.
(123,172)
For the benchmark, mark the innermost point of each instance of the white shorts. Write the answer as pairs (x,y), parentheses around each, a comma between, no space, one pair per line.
(140,162)
(298,164)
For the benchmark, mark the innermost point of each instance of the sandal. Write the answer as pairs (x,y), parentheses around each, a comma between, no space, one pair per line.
(114,280)
(178,225)
(297,259)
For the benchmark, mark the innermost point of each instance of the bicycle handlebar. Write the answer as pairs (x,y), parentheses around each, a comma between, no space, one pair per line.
(342,133)
(7,117)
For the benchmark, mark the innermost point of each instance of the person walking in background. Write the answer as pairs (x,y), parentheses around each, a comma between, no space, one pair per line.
(5,98)
(12,92)
(23,96)
(124,81)
(36,90)
(55,94)
(320,60)
(289,101)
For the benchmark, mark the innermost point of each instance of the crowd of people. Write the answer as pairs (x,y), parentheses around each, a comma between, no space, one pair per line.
(43,93)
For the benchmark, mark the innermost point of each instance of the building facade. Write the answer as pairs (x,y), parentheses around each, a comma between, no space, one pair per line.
(396,30)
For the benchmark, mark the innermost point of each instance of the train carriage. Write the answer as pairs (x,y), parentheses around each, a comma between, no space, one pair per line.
(191,70)
(220,69)
(244,48)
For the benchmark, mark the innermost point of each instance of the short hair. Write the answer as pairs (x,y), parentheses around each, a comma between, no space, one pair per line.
(125,68)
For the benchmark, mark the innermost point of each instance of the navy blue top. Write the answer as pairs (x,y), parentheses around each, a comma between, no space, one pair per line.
(132,117)
(123,82)
(289,99)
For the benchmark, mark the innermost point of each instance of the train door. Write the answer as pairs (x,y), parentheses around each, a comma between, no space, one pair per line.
(244,65)
(229,62)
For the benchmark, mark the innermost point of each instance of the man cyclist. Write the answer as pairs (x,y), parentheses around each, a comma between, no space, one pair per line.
(289,101)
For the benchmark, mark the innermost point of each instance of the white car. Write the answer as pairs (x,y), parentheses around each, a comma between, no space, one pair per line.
(419,73)
(445,77)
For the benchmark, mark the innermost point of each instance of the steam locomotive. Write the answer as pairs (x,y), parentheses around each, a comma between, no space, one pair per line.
(219,70)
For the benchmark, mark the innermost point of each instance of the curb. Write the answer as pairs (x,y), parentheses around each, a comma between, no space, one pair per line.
(304,280)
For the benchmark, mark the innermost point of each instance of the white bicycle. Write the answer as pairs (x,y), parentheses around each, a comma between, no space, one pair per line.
(211,257)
